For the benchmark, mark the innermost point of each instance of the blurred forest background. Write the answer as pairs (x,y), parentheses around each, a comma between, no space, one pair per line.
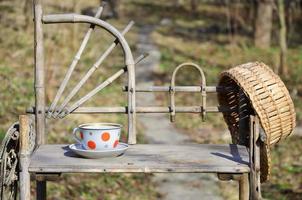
(216,34)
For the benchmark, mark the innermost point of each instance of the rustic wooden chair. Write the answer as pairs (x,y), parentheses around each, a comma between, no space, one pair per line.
(43,162)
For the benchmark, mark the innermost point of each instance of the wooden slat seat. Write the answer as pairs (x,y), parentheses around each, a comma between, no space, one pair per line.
(224,158)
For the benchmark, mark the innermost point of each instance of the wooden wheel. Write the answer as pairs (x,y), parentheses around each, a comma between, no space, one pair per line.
(60,111)
(9,163)
(10,160)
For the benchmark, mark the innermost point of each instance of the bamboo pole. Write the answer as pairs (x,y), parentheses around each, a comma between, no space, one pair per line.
(91,71)
(93,92)
(198,89)
(74,63)
(172,91)
(24,158)
(150,109)
(180,109)
(131,105)
(39,74)
(39,86)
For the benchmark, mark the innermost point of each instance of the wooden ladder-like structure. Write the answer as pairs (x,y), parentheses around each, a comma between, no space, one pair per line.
(47,162)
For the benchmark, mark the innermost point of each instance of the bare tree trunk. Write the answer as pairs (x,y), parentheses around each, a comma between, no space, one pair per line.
(263,24)
(228,19)
(194,5)
(178,3)
(291,10)
(27,11)
(114,7)
(283,70)
(251,6)
(233,20)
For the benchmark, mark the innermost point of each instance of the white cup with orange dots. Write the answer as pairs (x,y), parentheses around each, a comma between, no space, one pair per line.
(98,136)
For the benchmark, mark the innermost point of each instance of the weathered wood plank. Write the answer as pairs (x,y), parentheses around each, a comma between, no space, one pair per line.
(146,158)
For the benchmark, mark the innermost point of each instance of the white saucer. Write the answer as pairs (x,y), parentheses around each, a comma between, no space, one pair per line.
(119,150)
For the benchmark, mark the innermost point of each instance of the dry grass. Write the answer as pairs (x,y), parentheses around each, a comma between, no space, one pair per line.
(184,38)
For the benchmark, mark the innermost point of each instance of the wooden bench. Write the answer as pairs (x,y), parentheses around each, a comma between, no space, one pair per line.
(42,162)
(146,158)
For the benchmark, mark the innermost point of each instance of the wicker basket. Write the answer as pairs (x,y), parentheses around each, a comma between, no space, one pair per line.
(267,96)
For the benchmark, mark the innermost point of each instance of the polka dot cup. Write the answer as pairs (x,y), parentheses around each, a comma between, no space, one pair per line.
(98,136)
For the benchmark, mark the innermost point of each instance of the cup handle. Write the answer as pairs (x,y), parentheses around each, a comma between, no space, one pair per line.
(74,132)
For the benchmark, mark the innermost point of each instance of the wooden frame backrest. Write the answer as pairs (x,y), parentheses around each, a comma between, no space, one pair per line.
(39,79)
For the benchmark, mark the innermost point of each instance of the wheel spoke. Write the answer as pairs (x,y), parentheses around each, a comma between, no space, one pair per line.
(90,72)
(107,82)
(73,64)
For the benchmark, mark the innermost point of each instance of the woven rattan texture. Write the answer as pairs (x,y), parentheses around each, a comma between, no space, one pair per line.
(269,98)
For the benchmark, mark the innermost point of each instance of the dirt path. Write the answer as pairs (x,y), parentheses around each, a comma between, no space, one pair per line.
(158,129)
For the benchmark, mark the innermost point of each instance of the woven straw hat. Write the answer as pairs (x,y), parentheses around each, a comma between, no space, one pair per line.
(265,95)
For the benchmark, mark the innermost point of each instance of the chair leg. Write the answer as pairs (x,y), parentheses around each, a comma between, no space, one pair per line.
(244,184)
(244,190)
(24,180)
(24,158)
(255,184)
(41,190)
